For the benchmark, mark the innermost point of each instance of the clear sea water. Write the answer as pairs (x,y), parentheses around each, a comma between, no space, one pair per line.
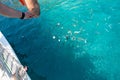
(71,40)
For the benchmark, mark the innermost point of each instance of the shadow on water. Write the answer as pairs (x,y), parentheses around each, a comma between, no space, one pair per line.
(35,76)
(49,59)
(65,67)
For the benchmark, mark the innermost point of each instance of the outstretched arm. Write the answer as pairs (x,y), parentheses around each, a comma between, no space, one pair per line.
(33,7)
(9,12)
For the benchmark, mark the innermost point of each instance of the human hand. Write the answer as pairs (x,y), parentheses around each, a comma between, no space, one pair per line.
(28,15)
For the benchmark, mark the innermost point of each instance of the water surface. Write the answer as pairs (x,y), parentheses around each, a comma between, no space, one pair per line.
(71,40)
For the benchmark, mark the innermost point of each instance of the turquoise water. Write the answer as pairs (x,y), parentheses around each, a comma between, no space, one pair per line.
(71,40)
